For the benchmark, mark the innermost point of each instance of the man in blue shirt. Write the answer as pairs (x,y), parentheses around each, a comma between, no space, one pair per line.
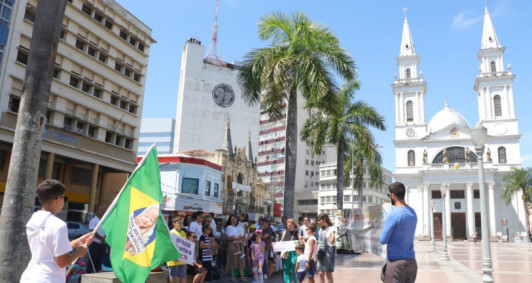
(398,233)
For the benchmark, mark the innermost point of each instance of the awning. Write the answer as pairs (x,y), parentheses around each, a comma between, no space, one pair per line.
(244,188)
(191,205)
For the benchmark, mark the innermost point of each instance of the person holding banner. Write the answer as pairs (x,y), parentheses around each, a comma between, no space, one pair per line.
(326,248)
(289,258)
(47,236)
(177,269)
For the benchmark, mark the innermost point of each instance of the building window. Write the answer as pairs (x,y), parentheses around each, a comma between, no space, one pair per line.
(74,81)
(108,24)
(80,44)
(14,103)
(436,194)
(86,87)
(97,92)
(460,194)
(118,67)
(216,189)
(67,123)
(86,9)
(208,188)
(502,155)
(190,186)
(108,136)
(408,73)
(92,132)
(22,55)
(102,57)
(123,34)
(128,144)
(409,111)
(411,158)
(476,194)
(81,176)
(347,198)
(492,67)
(497,105)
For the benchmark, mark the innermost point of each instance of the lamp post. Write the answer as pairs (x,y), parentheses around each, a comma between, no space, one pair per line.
(433,249)
(444,190)
(479,136)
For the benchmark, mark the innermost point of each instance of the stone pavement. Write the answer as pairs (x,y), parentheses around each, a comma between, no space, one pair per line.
(511,263)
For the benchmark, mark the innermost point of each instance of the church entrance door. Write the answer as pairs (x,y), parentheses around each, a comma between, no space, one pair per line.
(437,226)
(458,222)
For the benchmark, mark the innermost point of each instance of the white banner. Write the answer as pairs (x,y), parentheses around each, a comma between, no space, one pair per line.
(285,246)
(185,247)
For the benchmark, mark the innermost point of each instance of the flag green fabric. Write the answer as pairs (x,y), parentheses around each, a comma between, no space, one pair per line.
(135,228)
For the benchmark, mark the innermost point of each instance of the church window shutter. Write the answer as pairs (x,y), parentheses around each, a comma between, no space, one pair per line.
(493,69)
(408,74)
(502,155)
(497,105)
(411,158)
(409,111)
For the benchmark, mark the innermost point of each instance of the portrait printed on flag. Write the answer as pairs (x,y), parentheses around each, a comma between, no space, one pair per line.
(141,229)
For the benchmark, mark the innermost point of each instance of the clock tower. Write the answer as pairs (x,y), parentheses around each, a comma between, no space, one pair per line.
(494,85)
(409,89)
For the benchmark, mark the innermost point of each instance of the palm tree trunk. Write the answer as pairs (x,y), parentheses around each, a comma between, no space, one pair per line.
(360,180)
(340,178)
(290,155)
(527,220)
(19,199)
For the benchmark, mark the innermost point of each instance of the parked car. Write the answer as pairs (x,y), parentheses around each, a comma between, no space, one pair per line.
(76,229)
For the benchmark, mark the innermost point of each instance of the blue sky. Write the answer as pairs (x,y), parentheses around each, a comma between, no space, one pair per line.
(446,36)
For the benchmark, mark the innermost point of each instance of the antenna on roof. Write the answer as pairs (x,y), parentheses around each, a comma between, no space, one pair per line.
(212,56)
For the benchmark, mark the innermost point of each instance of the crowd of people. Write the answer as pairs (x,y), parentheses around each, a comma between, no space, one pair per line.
(243,249)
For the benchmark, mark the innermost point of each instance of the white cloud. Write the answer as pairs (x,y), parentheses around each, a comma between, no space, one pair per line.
(464,20)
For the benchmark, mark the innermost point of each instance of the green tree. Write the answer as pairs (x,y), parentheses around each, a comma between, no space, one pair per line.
(519,179)
(19,199)
(345,124)
(302,57)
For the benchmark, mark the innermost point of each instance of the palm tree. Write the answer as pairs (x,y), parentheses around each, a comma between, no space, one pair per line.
(302,58)
(519,179)
(344,123)
(19,199)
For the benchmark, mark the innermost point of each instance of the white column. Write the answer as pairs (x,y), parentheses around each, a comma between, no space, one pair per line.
(448,212)
(510,94)
(493,219)
(470,213)
(422,107)
(426,210)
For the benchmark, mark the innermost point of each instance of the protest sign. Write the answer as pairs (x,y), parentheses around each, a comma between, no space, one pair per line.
(285,246)
(185,247)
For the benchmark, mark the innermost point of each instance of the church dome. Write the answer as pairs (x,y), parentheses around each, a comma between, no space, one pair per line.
(446,117)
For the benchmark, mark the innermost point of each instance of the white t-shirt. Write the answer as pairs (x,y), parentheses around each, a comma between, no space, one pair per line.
(307,248)
(48,239)
(328,233)
(232,231)
(92,224)
(196,228)
(302,260)
(303,231)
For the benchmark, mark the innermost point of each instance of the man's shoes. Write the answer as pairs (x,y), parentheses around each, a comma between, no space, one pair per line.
(265,276)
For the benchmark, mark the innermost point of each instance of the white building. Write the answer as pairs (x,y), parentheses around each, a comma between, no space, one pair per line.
(190,184)
(327,195)
(209,95)
(95,102)
(159,131)
(439,155)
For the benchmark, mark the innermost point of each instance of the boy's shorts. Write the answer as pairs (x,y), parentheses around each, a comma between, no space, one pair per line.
(177,271)
(301,276)
(312,269)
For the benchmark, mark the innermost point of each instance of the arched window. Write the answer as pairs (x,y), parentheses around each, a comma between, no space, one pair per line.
(497,105)
(409,111)
(411,158)
(502,155)
(408,73)
(492,67)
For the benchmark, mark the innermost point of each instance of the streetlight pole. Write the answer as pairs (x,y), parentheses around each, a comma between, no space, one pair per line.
(444,188)
(352,181)
(433,249)
(479,136)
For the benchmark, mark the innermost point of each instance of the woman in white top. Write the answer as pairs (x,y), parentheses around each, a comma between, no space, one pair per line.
(234,261)
(311,249)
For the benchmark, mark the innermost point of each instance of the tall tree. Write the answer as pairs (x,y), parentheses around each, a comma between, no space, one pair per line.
(302,58)
(519,179)
(344,123)
(19,199)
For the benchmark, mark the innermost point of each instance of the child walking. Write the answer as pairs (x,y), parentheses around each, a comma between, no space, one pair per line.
(257,254)
(301,262)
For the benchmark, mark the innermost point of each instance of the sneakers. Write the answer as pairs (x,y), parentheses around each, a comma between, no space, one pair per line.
(243,256)
(265,276)
(237,253)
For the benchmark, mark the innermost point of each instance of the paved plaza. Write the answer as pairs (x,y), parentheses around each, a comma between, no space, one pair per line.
(511,263)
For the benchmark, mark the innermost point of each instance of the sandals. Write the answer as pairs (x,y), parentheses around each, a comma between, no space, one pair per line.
(233,279)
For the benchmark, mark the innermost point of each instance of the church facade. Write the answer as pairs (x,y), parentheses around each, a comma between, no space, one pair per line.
(439,156)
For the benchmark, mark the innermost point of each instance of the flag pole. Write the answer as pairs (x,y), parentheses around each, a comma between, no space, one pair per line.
(112,205)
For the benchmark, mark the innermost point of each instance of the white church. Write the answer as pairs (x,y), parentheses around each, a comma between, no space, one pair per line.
(440,156)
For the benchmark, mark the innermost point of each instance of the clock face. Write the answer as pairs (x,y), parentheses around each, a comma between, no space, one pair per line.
(454,133)
(410,132)
(223,95)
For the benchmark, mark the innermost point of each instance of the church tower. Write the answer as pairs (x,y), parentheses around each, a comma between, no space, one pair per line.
(494,85)
(409,89)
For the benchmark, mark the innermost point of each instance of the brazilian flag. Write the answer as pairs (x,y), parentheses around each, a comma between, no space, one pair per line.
(134,226)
